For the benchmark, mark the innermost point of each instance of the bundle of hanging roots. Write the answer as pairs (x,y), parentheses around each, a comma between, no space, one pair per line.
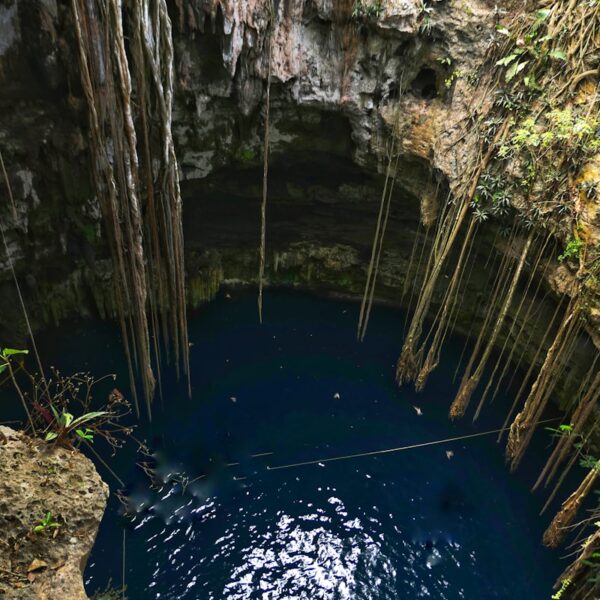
(129,93)
(536,139)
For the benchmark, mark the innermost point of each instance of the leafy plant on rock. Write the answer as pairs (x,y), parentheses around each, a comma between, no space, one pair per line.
(46,523)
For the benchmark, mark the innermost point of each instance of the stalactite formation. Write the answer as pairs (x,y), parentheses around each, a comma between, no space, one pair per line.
(145,270)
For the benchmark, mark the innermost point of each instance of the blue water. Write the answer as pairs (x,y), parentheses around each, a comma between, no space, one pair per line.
(403,525)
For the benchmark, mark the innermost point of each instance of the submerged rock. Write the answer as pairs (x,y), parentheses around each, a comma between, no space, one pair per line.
(36,479)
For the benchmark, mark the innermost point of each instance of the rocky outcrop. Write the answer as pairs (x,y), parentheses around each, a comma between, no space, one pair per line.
(340,83)
(36,479)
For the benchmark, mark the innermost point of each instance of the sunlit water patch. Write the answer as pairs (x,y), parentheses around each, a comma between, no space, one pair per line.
(213,519)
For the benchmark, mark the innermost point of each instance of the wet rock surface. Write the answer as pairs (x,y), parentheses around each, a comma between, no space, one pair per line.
(35,479)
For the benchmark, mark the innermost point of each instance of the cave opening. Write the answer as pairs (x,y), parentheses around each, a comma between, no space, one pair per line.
(425,84)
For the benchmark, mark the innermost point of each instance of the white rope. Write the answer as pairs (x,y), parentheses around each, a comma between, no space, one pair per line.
(398,449)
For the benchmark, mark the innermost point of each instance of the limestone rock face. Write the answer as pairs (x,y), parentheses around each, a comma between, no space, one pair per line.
(340,83)
(36,478)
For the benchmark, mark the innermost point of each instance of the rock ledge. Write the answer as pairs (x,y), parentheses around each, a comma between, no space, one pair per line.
(36,478)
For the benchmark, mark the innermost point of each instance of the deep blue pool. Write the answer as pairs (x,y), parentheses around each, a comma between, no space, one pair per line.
(404,525)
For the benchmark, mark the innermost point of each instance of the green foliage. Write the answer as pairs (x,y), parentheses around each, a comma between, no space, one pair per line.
(452,78)
(493,197)
(52,405)
(564,584)
(46,523)
(563,429)
(367,9)
(567,430)
(529,50)
(247,154)
(560,128)
(65,424)
(5,356)
(572,249)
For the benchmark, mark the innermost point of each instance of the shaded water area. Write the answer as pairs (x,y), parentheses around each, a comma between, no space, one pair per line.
(403,525)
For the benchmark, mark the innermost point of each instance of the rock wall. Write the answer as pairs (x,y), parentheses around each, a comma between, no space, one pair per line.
(37,478)
(340,83)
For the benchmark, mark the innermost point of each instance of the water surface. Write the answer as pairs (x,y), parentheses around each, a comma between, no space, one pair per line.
(403,525)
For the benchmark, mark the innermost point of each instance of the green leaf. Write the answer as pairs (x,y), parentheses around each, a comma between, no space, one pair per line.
(503,62)
(11,351)
(38,528)
(88,417)
(66,418)
(55,413)
(558,55)
(542,14)
(3,368)
(515,69)
(86,435)
(51,435)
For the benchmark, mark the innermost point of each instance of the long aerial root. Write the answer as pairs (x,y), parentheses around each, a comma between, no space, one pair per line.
(556,532)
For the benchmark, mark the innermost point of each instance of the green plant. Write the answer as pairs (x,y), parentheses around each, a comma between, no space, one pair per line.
(530,49)
(56,401)
(247,154)
(564,429)
(572,249)
(565,583)
(46,524)
(5,356)
(64,424)
(367,9)
(52,404)
(452,78)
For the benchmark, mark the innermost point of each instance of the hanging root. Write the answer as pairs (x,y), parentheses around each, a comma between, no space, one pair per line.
(263,206)
(409,363)
(461,402)
(146,271)
(444,317)
(578,578)
(555,535)
(478,374)
(583,410)
(523,426)
(408,366)
(382,221)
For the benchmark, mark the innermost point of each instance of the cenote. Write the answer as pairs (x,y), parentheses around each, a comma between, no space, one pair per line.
(342,258)
(408,524)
